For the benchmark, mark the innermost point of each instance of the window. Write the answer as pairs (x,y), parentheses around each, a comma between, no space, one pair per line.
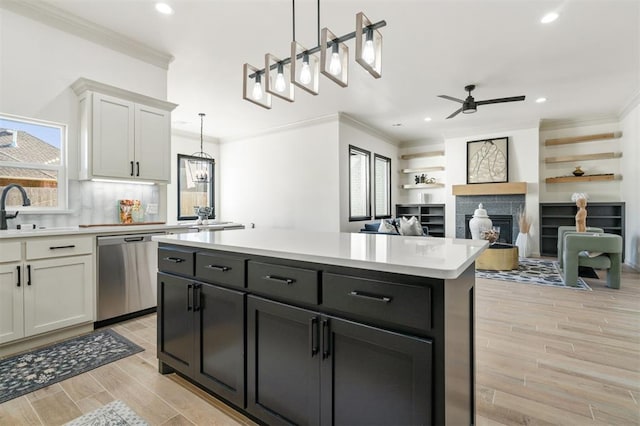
(33,155)
(359,187)
(195,186)
(382,186)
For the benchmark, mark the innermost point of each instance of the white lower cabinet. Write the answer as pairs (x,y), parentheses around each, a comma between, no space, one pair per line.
(50,287)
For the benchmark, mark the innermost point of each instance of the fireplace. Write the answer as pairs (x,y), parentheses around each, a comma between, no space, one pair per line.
(505,222)
(499,208)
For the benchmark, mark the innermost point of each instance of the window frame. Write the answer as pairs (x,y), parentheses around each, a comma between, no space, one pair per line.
(211,183)
(368,183)
(61,169)
(375,192)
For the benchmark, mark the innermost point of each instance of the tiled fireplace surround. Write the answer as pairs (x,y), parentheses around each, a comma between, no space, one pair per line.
(494,204)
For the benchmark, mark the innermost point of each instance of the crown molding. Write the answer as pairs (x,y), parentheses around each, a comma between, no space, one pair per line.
(284,128)
(345,118)
(192,135)
(82,85)
(72,24)
(630,106)
(551,124)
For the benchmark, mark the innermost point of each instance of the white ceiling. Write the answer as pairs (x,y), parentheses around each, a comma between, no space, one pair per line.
(587,63)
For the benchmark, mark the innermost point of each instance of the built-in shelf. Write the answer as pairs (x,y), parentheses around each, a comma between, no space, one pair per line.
(579,139)
(583,157)
(490,188)
(424,169)
(423,185)
(585,178)
(422,154)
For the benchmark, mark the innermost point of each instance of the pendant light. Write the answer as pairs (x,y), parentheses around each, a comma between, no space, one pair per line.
(201,161)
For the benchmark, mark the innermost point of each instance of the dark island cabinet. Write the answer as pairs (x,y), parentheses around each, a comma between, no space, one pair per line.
(333,371)
(201,334)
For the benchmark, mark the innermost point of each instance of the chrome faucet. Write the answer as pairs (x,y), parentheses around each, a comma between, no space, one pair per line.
(3,203)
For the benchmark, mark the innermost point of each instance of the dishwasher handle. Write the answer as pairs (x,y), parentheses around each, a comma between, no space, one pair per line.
(129,238)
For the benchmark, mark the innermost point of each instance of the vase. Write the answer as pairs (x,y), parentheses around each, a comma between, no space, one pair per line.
(524,244)
(578,171)
(479,222)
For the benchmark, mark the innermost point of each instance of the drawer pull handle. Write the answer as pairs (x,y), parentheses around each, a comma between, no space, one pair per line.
(313,336)
(383,299)
(287,281)
(133,239)
(174,259)
(28,274)
(218,268)
(19,283)
(62,247)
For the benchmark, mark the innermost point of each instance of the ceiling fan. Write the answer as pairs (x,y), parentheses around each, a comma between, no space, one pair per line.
(470,105)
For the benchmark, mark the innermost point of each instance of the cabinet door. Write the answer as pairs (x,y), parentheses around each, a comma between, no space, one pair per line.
(282,363)
(11,307)
(220,360)
(58,293)
(175,323)
(152,143)
(374,377)
(113,137)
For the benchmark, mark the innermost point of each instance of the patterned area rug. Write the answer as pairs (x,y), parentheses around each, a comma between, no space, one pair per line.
(25,373)
(533,271)
(115,413)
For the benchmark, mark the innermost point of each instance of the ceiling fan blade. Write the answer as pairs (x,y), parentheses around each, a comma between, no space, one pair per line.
(455,113)
(450,98)
(500,100)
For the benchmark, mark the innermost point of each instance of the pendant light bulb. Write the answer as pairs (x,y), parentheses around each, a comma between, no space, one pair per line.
(257,88)
(305,72)
(335,66)
(369,52)
(280,82)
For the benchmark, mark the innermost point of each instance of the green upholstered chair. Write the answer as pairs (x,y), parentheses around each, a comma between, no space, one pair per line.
(574,254)
(563,230)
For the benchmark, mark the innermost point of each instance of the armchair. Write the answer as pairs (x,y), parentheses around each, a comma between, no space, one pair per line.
(562,230)
(574,255)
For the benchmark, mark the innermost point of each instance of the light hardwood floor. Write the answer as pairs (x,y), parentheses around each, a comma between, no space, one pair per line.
(544,356)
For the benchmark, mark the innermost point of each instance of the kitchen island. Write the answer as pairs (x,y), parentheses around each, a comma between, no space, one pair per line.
(296,327)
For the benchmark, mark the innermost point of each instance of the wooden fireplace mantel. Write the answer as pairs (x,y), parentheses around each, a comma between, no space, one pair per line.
(490,188)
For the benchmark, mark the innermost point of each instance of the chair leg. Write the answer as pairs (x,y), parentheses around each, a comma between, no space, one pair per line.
(613,275)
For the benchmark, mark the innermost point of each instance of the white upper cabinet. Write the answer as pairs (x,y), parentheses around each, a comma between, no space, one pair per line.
(123,135)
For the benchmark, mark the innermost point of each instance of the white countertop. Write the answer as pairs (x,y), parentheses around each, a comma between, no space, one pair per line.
(112,230)
(423,256)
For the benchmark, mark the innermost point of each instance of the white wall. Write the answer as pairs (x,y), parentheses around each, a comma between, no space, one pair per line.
(189,143)
(38,64)
(523,167)
(598,190)
(630,184)
(353,133)
(283,179)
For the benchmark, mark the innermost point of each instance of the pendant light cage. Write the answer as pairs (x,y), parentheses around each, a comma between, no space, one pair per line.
(200,161)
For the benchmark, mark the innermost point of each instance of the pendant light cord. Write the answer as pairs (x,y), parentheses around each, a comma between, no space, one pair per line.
(201,131)
(318,23)
(294,19)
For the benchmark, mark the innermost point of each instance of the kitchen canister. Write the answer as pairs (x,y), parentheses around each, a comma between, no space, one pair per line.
(479,222)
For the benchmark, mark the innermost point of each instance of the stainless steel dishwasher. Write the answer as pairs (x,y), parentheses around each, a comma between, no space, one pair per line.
(127,280)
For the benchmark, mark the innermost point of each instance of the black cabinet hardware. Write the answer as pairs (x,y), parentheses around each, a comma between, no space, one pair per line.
(375,297)
(326,339)
(62,247)
(28,274)
(218,268)
(18,267)
(133,239)
(313,335)
(174,259)
(131,168)
(287,281)
(137,168)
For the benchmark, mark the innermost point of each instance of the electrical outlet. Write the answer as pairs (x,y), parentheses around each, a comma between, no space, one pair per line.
(152,208)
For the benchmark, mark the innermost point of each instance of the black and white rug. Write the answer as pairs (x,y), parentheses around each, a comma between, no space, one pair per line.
(25,373)
(116,413)
(533,271)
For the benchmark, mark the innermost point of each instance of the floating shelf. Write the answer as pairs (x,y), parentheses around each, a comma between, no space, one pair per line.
(490,188)
(579,139)
(423,185)
(584,157)
(423,169)
(586,178)
(422,154)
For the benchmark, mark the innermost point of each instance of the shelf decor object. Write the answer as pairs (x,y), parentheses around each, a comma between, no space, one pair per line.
(488,161)
(305,67)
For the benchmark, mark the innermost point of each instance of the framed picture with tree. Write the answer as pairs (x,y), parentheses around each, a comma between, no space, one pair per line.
(488,160)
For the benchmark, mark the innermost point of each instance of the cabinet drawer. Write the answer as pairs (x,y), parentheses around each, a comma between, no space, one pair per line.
(58,247)
(10,251)
(176,261)
(402,304)
(219,269)
(285,282)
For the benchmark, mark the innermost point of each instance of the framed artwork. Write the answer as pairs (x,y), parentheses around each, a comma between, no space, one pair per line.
(488,160)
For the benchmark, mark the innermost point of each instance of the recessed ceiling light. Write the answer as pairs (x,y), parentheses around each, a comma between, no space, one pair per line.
(541,100)
(397,125)
(549,17)
(164,8)
(427,119)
